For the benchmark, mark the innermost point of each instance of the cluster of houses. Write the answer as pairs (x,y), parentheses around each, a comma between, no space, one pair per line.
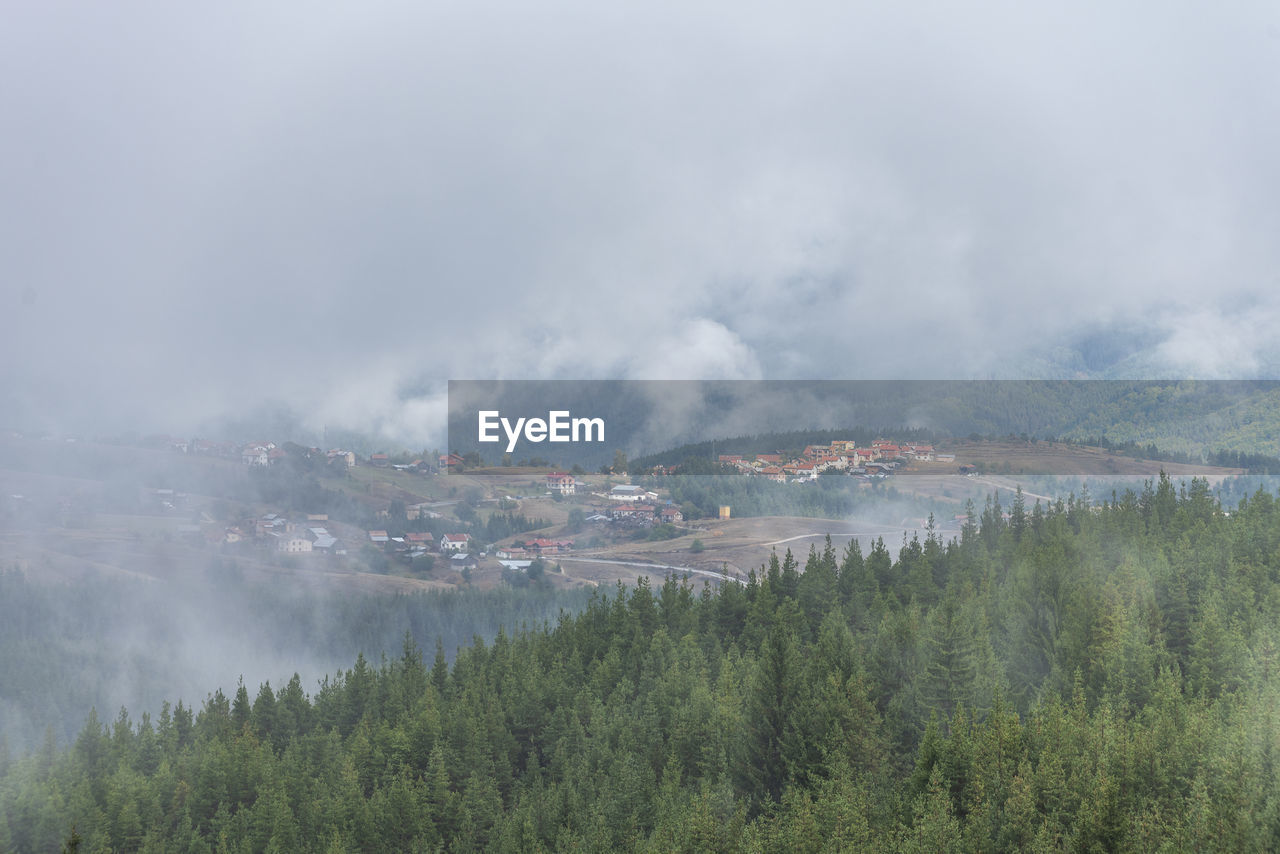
(626,504)
(416,544)
(844,456)
(303,534)
(462,551)
(261,454)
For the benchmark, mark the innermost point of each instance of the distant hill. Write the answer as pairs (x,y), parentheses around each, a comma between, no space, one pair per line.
(651,420)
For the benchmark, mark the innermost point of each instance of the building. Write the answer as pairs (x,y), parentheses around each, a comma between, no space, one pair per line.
(348,457)
(293,545)
(455,542)
(561,482)
(628,492)
(256,455)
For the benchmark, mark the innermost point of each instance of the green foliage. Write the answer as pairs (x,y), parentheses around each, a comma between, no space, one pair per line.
(1089,677)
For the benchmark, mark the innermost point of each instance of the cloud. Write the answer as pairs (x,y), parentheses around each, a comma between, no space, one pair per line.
(341,209)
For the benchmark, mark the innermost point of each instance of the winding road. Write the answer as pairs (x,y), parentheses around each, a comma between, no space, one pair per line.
(719,576)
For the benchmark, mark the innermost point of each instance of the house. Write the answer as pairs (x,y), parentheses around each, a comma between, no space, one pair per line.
(379,537)
(803,471)
(461,561)
(622,511)
(255,455)
(348,457)
(293,545)
(454,542)
(561,482)
(644,512)
(449,461)
(626,492)
(323,541)
(273,524)
(379,460)
(671,515)
(630,493)
(774,473)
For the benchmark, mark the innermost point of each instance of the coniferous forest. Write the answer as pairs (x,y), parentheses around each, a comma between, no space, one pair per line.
(1086,676)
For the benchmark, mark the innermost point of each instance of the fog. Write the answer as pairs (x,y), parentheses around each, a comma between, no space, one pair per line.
(331,211)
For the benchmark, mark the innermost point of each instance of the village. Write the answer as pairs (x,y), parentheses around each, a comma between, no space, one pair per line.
(363,520)
(431,519)
(882,459)
(423,537)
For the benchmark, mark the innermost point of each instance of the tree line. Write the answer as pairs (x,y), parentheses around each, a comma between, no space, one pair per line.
(1074,676)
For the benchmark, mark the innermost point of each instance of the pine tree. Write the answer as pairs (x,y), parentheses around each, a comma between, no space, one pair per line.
(772,722)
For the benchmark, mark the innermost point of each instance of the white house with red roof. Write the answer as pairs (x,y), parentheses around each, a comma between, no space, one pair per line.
(561,482)
(801,471)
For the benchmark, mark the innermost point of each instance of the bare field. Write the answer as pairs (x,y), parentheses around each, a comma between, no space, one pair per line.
(739,546)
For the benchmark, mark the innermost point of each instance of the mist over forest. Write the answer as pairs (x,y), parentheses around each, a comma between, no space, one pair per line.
(110,644)
(252,600)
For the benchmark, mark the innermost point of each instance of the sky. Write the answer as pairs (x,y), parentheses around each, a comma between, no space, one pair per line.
(335,208)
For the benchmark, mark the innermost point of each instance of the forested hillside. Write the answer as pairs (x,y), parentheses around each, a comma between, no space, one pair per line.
(110,642)
(1073,677)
